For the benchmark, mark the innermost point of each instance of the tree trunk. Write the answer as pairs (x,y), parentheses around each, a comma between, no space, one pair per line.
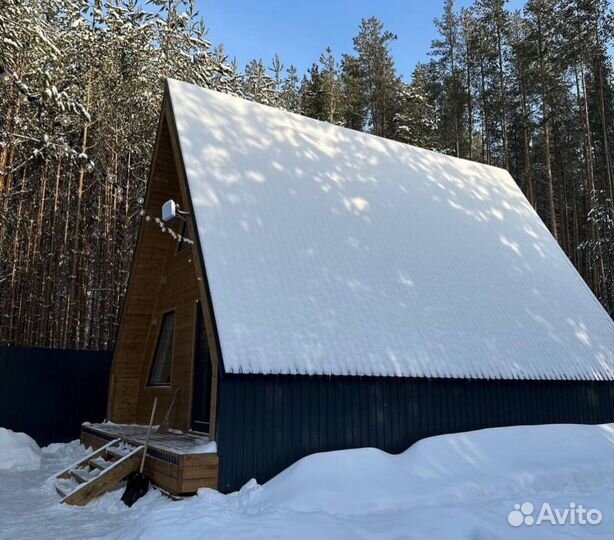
(506,153)
(546,124)
(528,173)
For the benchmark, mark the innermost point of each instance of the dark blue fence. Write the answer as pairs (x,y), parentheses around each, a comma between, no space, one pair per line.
(48,393)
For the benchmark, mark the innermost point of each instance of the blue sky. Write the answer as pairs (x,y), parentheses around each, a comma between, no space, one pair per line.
(300,31)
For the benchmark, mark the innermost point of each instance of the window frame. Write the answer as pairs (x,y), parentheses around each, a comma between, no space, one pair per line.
(199,319)
(152,362)
(184,233)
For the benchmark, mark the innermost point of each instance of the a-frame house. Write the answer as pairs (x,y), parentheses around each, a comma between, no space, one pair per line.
(337,290)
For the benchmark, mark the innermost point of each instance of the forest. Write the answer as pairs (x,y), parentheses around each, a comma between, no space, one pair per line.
(81,82)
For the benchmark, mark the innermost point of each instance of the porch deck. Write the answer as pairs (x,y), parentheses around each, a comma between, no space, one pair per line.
(179,463)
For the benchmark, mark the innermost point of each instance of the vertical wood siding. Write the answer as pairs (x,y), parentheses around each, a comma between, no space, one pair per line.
(162,280)
(266,423)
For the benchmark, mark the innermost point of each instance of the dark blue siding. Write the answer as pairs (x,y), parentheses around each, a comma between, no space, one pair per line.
(48,393)
(266,423)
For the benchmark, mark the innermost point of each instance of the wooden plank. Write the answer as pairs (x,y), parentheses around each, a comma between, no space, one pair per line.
(208,471)
(115,452)
(198,470)
(105,480)
(78,476)
(91,441)
(198,460)
(165,481)
(60,492)
(96,465)
(200,464)
(66,472)
(191,486)
(125,398)
(157,466)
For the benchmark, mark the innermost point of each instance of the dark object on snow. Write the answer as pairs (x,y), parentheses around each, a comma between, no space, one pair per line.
(136,487)
(138,484)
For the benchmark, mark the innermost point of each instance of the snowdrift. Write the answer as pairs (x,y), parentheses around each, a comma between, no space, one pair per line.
(447,469)
(453,487)
(18,451)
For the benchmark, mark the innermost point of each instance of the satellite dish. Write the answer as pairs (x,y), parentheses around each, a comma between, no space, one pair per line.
(169,210)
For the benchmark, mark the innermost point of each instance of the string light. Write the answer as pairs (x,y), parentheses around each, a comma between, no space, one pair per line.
(166,230)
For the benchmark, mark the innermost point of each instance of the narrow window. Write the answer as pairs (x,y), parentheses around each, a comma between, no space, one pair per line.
(160,374)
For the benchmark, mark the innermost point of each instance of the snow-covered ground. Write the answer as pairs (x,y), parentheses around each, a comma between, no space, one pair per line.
(18,451)
(462,486)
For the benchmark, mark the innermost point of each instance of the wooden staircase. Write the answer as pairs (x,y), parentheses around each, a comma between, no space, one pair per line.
(98,472)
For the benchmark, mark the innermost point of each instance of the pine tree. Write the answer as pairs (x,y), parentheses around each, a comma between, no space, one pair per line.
(331,87)
(416,120)
(289,92)
(494,22)
(311,94)
(353,101)
(522,73)
(446,50)
(378,75)
(468,45)
(257,85)
(538,12)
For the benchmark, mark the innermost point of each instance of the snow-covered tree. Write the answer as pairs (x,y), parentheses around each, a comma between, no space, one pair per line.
(416,119)
(80,91)
(289,91)
(258,85)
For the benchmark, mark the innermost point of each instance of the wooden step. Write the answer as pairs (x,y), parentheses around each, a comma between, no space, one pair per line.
(100,463)
(119,452)
(61,492)
(82,475)
(77,476)
(83,462)
(106,479)
(64,486)
(97,472)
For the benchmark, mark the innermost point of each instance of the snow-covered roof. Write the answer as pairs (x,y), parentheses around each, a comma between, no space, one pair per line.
(329,251)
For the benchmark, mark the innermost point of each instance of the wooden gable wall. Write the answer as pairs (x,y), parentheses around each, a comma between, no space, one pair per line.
(161,280)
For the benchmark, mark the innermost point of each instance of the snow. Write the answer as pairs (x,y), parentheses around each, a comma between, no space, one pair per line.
(18,451)
(448,469)
(30,507)
(456,487)
(207,448)
(329,251)
(179,443)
